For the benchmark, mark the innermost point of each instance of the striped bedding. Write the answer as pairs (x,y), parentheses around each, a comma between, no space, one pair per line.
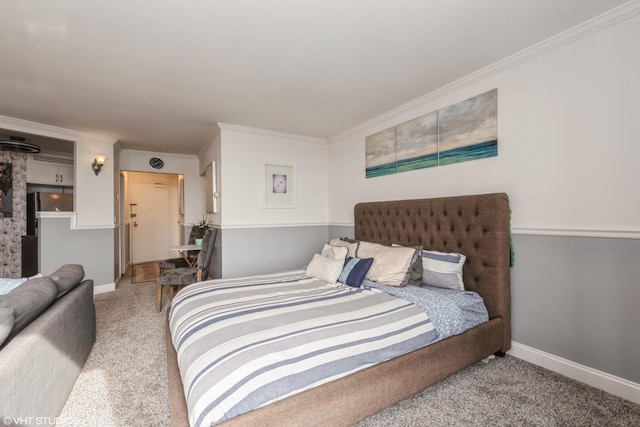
(243,343)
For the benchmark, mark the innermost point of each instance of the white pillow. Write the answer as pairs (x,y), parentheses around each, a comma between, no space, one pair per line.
(7,285)
(352,247)
(443,269)
(335,252)
(324,268)
(391,265)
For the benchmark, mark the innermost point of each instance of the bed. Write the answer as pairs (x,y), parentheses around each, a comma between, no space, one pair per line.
(476,226)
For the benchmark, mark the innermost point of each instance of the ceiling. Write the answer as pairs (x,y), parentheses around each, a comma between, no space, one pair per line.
(158,75)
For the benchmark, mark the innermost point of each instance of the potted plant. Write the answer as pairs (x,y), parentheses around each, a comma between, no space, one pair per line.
(201,227)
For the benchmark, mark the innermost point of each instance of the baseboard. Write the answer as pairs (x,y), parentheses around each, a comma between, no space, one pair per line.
(598,379)
(101,289)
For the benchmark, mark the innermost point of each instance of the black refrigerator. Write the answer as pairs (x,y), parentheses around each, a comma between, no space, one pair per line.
(40,202)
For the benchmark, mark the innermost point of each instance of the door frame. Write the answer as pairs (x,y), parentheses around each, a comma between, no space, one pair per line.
(170,179)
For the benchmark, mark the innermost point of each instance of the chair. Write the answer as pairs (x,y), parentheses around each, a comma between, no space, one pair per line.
(178,277)
(171,263)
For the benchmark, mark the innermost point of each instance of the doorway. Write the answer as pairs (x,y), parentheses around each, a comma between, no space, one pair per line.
(150,222)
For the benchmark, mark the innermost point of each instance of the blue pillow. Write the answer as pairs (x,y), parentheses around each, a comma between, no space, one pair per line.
(355,270)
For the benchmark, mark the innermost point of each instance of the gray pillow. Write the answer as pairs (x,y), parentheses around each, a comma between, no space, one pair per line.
(28,301)
(415,277)
(67,277)
(6,323)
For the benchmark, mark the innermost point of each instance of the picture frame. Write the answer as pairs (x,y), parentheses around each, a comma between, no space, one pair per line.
(181,195)
(278,186)
(210,175)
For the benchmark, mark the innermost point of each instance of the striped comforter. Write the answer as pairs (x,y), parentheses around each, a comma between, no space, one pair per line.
(243,343)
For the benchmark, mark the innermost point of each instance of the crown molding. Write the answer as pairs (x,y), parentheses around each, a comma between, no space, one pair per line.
(269,133)
(587,28)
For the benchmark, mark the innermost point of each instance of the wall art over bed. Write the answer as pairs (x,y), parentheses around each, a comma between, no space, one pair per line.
(467,130)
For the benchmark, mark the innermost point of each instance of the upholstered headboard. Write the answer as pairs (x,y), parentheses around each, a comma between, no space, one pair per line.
(476,226)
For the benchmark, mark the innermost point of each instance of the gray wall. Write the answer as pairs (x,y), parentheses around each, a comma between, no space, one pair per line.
(249,251)
(93,248)
(340,231)
(578,298)
(575,297)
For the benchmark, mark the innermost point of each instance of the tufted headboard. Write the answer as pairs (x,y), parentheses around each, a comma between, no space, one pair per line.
(476,226)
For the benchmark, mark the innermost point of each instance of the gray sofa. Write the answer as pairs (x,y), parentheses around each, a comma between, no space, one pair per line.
(49,339)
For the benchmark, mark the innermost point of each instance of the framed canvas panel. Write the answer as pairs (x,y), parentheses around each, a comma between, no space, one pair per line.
(417,143)
(380,152)
(468,130)
(278,187)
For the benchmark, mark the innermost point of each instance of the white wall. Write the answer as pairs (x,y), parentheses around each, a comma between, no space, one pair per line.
(567,132)
(568,158)
(244,150)
(94,194)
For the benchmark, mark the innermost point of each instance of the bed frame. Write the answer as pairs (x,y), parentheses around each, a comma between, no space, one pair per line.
(477,226)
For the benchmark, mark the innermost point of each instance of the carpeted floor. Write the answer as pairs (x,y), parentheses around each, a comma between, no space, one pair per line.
(145,272)
(124,383)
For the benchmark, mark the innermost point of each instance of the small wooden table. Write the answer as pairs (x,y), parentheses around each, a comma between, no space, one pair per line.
(183,249)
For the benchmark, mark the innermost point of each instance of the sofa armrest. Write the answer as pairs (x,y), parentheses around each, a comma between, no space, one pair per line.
(40,365)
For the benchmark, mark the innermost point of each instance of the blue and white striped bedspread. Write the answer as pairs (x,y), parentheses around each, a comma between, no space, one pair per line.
(243,343)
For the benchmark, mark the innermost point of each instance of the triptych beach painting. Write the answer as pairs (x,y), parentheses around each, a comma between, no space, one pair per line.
(467,130)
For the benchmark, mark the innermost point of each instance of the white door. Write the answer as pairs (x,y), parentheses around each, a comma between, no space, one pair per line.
(149,222)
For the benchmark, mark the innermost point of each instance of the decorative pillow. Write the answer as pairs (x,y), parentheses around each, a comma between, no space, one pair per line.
(7,285)
(391,265)
(335,252)
(355,270)
(324,268)
(351,246)
(6,323)
(67,277)
(443,269)
(415,278)
(29,301)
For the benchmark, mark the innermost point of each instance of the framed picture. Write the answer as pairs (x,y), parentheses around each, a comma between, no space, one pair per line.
(181,195)
(278,188)
(210,175)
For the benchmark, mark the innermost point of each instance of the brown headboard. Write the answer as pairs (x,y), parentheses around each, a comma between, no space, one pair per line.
(476,226)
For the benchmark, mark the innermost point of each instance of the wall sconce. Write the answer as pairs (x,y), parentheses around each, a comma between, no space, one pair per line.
(97,164)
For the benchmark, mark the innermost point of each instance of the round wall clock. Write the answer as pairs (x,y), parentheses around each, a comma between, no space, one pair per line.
(156,163)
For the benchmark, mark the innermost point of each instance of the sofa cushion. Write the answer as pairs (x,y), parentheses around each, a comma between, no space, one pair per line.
(6,323)
(67,277)
(28,301)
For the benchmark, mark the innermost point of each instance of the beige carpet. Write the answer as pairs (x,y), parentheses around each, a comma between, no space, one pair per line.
(124,383)
(145,272)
